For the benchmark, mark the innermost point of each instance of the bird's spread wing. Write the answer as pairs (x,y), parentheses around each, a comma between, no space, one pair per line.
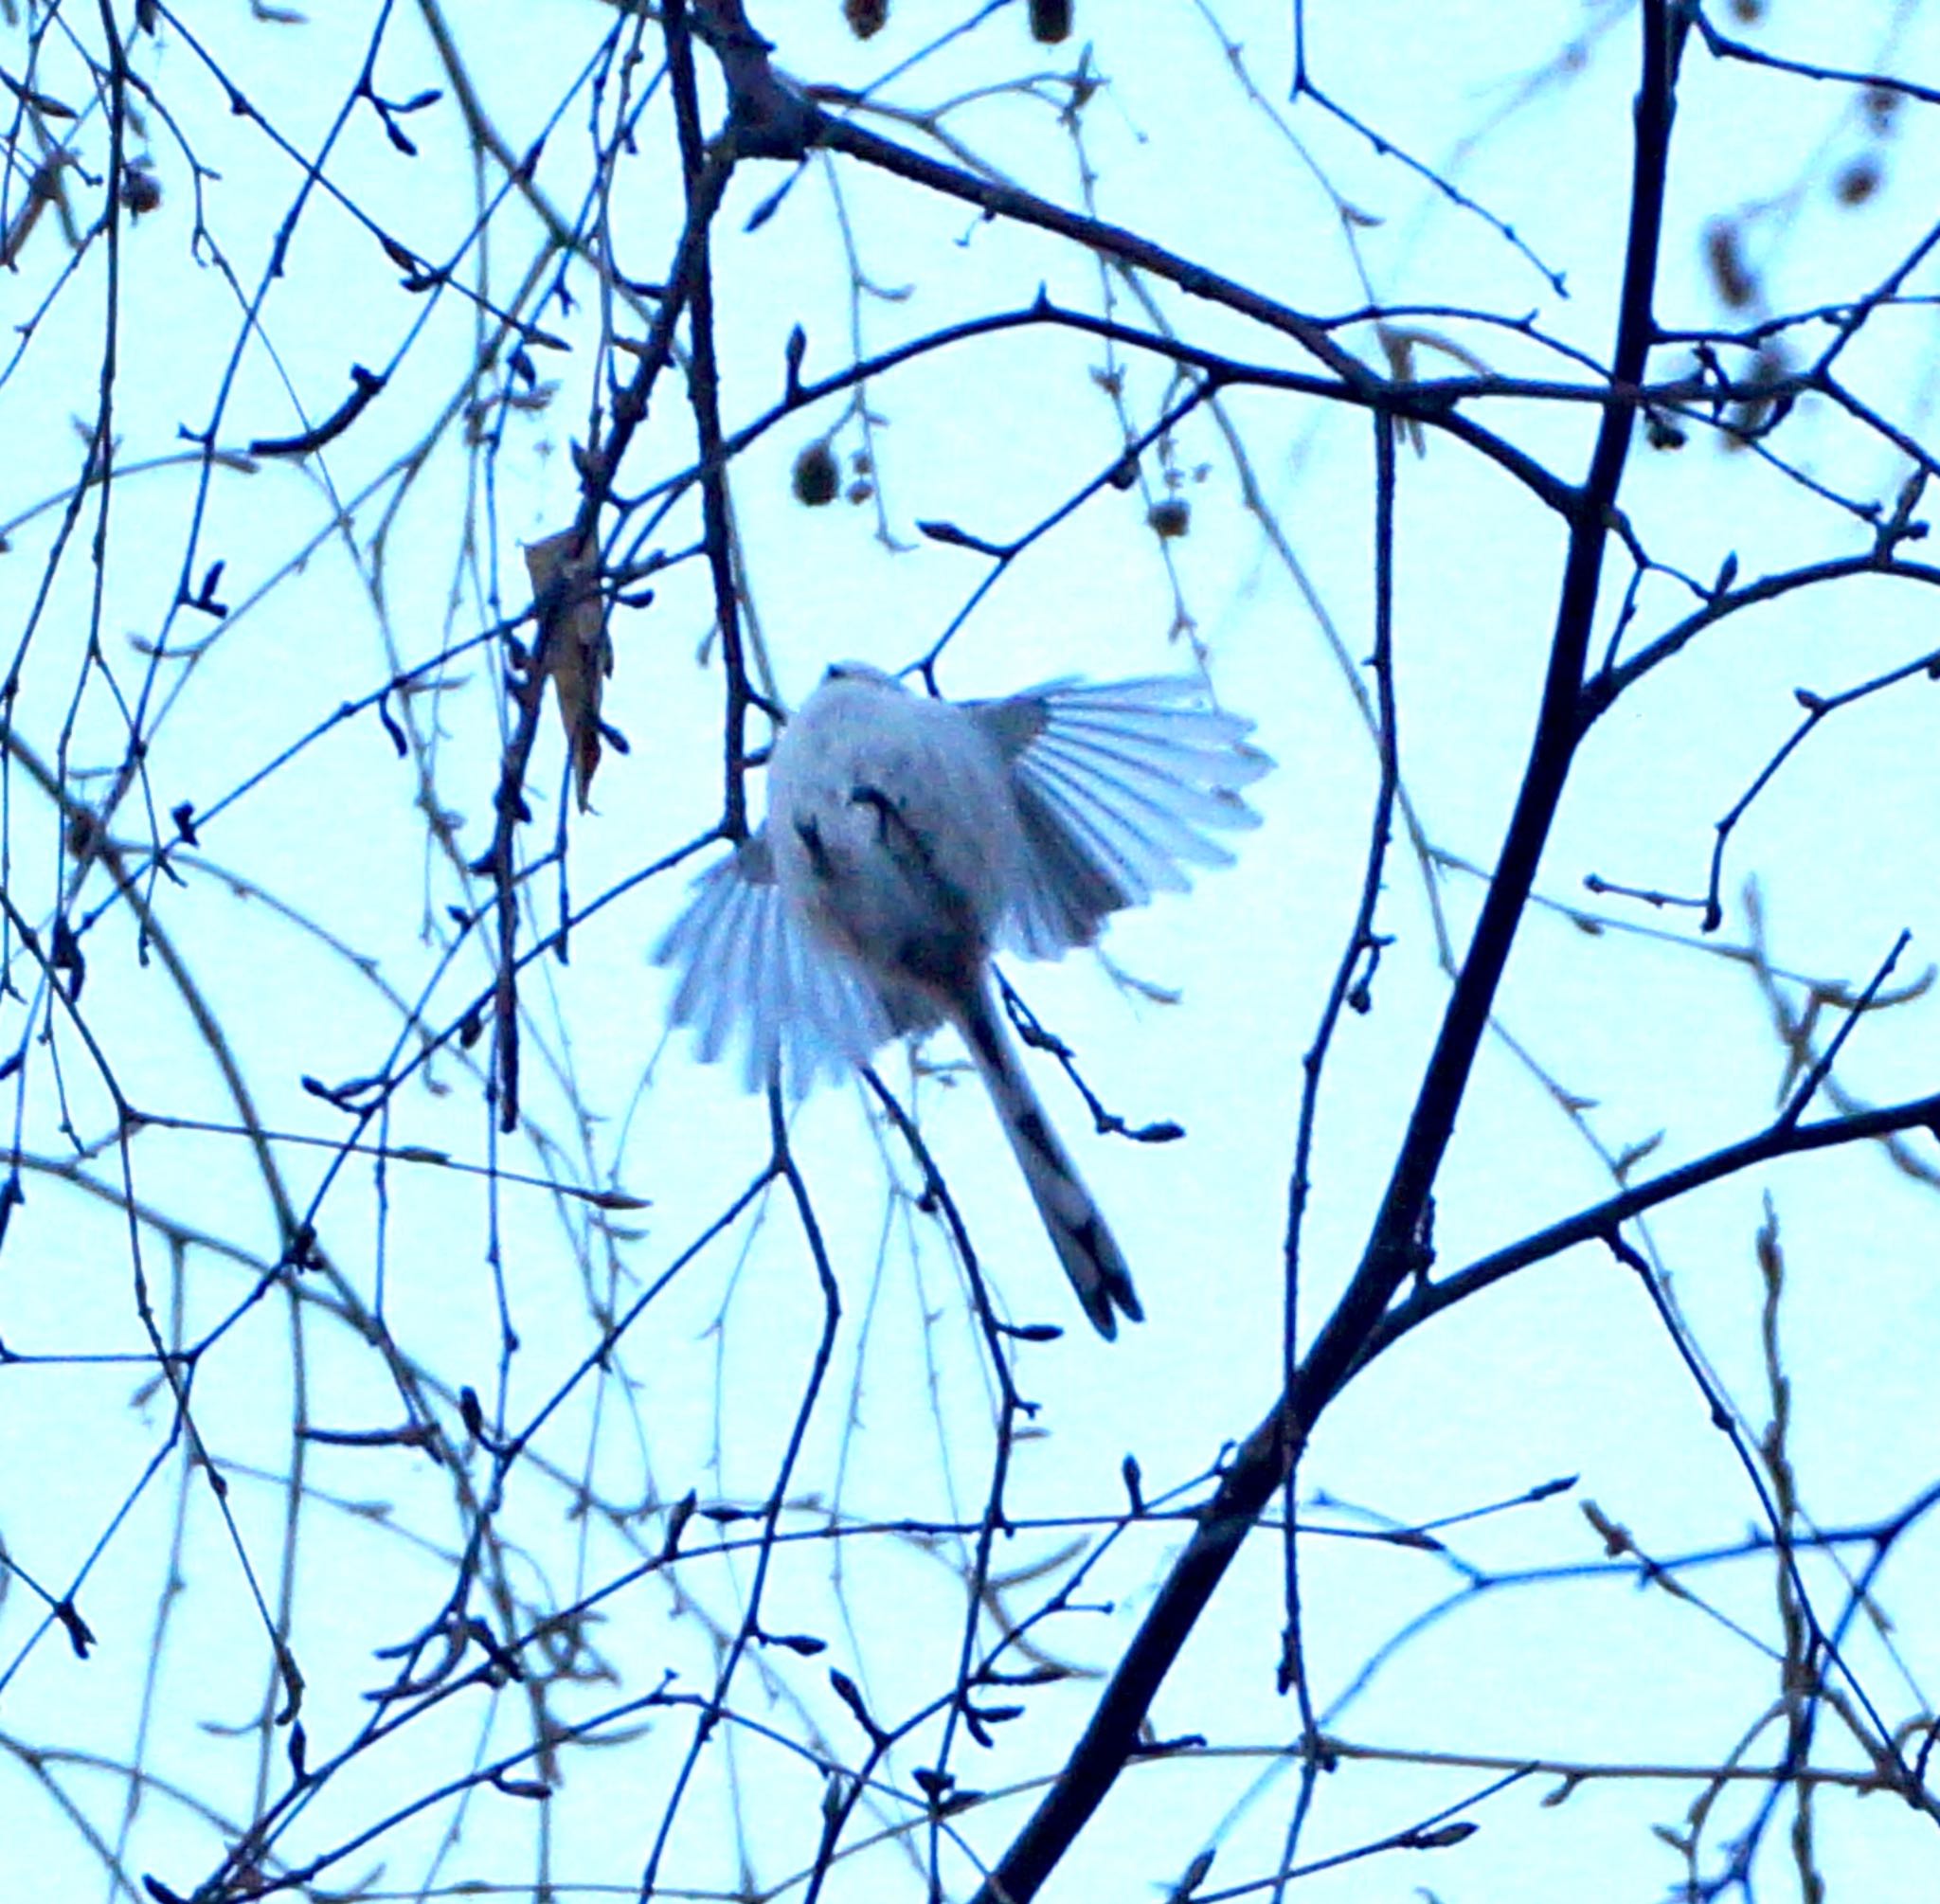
(752,974)
(1117,787)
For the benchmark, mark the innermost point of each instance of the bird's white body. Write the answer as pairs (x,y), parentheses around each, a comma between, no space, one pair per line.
(907,839)
(894,831)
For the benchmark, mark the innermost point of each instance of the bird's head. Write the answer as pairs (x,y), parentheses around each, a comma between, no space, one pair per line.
(860,672)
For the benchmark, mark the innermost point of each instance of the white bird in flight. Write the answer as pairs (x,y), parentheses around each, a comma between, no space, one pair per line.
(907,839)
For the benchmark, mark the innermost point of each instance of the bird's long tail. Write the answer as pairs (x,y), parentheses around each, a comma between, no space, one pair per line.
(1084,1246)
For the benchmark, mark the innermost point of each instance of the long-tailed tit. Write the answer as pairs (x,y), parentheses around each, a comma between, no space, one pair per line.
(905,838)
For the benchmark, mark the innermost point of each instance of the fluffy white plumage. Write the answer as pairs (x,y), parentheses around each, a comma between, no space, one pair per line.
(907,839)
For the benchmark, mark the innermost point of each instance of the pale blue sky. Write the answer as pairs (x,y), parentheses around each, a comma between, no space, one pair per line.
(1647,1033)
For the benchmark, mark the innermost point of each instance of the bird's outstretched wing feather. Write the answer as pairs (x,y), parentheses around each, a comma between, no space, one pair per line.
(1117,787)
(751,974)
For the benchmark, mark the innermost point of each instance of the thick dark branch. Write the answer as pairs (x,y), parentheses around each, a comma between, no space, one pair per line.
(704,393)
(1604,1219)
(772,117)
(1611,683)
(599,465)
(1113,241)
(1262,1462)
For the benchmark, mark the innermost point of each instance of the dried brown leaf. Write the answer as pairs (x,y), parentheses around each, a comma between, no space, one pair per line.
(573,637)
